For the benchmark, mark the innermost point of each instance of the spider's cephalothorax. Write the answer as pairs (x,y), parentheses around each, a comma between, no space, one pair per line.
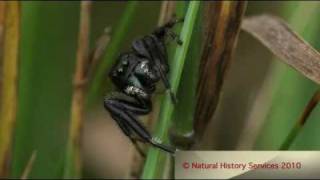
(135,74)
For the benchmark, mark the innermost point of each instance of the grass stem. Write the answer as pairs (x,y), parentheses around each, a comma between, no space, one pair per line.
(73,157)
(301,121)
(152,168)
(8,96)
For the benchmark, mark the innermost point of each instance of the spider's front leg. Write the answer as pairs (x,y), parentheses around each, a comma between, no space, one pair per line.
(162,31)
(154,50)
(124,112)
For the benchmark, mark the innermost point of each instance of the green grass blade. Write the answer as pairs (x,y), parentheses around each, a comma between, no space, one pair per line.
(48,45)
(307,137)
(152,167)
(117,37)
(182,128)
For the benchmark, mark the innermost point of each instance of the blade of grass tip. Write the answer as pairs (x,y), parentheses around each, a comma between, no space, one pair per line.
(301,121)
(29,165)
(166,11)
(222,30)
(152,167)
(117,37)
(163,12)
(276,35)
(9,85)
(73,154)
(97,52)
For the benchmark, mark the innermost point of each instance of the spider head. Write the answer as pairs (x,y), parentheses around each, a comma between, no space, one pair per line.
(120,71)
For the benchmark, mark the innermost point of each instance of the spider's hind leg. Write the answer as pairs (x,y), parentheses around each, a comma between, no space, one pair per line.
(124,112)
(126,130)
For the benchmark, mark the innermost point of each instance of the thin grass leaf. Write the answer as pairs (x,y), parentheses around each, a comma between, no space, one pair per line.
(167,10)
(9,95)
(301,121)
(306,137)
(152,168)
(117,37)
(73,164)
(48,44)
(166,13)
(29,165)
(182,132)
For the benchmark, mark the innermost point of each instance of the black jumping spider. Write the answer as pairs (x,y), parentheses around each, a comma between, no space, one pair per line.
(135,74)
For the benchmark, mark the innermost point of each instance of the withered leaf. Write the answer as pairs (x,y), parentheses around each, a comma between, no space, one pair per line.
(283,42)
(222,22)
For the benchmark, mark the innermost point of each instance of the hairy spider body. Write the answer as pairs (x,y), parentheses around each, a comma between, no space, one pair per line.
(135,75)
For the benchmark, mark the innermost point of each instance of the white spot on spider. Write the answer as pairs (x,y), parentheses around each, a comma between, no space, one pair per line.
(129,90)
(157,140)
(125,63)
(134,90)
(143,64)
(120,70)
(143,67)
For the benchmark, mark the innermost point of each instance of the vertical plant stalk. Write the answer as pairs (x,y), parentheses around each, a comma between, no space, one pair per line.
(2,15)
(73,158)
(8,99)
(221,29)
(154,163)
(301,121)
(166,12)
(182,130)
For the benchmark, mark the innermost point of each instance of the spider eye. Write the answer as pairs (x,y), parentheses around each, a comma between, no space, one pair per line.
(125,63)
